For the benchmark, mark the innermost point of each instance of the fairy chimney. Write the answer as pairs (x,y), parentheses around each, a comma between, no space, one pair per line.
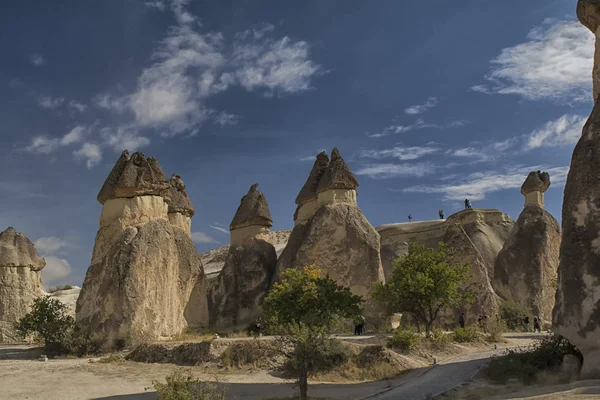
(252,218)
(338,184)
(181,209)
(534,187)
(307,197)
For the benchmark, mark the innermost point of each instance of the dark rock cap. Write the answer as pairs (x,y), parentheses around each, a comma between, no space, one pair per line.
(253,210)
(588,12)
(536,182)
(337,175)
(133,176)
(180,201)
(309,190)
(16,250)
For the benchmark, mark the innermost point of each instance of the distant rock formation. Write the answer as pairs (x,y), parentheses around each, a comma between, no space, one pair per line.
(576,314)
(68,297)
(235,301)
(526,267)
(20,282)
(336,237)
(143,267)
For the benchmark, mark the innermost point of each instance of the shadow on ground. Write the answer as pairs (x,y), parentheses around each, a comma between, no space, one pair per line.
(530,336)
(19,352)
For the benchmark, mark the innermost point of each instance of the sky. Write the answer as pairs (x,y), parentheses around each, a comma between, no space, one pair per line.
(428,102)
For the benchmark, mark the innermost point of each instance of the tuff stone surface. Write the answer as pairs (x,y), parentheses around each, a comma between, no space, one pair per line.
(337,175)
(236,299)
(135,175)
(309,190)
(536,181)
(526,267)
(180,201)
(253,210)
(588,12)
(20,282)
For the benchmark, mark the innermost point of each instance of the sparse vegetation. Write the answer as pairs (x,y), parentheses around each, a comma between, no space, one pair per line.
(424,283)
(525,365)
(514,314)
(495,328)
(53,289)
(244,353)
(439,339)
(179,386)
(112,359)
(465,335)
(404,339)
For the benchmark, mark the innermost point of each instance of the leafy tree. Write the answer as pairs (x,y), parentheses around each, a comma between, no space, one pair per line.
(49,320)
(301,311)
(424,283)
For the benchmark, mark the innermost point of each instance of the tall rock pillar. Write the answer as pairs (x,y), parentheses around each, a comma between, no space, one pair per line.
(576,314)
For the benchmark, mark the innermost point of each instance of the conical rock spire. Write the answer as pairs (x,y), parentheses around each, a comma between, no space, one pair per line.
(309,190)
(337,175)
(253,210)
(180,201)
(16,250)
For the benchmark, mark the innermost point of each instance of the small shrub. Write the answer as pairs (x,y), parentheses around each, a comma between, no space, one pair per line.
(545,355)
(465,335)
(112,359)
(513,314)
(184,387)
(495,328)
(439,339)
(243,353)
(404,339)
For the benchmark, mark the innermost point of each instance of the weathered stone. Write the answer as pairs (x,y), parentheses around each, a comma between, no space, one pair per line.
(133,176)
(534,187)
(570,365)
(20,282)
(337,175)
(252,218)
(307,198)
(68,297)
(236,299)
(180,201)
(526,267)
(588,12)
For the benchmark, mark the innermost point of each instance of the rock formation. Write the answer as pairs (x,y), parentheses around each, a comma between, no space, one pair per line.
(181,210)
(576,314)
(337,237)
(307,198)
(235,300)
(68,296)
(20,282)
(143,268)
(526,267)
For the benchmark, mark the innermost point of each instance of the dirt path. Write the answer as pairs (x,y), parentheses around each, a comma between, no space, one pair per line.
(77,379)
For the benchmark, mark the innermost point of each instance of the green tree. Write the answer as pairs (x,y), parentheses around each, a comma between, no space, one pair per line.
(424,283)
(49,320)
(301,310)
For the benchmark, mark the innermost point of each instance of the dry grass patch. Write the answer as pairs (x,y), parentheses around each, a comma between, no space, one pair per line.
(111,359)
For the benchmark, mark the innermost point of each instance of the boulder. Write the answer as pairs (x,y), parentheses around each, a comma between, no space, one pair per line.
(576,314)
(20,281)
(527,265)
(144,269)
(533,188)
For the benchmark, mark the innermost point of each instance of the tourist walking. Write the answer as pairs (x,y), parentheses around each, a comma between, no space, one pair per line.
(526,323)
(441,213)
(409,218)
(362,324)
(461,320)
(536,324)
(359,326)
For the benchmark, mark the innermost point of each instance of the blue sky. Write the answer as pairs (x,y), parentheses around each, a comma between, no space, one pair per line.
(428,102)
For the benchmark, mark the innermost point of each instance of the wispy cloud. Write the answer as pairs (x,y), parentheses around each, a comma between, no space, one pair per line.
(224,118)
(45,145)
(56,270)
(400,153)
(564,131)
(90,152)
(37,59)
(554,63)
(202,238)
(50,244)
(477,185)
(77,106)
(389,170)
(418,124)
(218,228)
(421,108)
(50,102)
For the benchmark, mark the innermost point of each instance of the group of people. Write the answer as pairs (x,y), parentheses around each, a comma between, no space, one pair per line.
(359,326)
(481,321)
(537,323)
(467,204)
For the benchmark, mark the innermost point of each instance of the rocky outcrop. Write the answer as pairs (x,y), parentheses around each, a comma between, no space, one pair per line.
(180,210)
(68,296)
(533,188)
(236,299)
(576,314)
(306,200)
(143,269)
(20,282)
(526,267)
(338,238)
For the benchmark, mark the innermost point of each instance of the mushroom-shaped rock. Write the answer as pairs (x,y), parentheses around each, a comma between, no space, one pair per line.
(307,198)
(135,175)
(337,175)
(534,187)
(588,12)
(180,201)
(253,210)
(16,250)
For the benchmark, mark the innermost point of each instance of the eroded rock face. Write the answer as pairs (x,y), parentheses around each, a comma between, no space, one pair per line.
(181,209)
(236,299)
(533,188)
(146,276)
(588,12)
(526,267)
(20,282)
(576,314)
(252,219)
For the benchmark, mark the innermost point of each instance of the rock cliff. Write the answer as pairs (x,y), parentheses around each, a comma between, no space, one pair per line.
(143,268)
(20,282)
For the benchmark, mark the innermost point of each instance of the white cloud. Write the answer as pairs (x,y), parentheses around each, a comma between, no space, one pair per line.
(44,145)
(307,158)
(566,130)
(554,63)
(202,238)
(37,59)
(477,185)
(56,269)
(49,244)
(400,153)
(421,108)
(50,102)
(384,171)
(75,135)
(418,124)
(156,4)
(77,106)
(123,138)
(226,119)
(90,152)
(218,228)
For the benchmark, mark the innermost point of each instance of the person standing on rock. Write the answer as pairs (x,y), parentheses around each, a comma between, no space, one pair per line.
(441,213)
(409,218)
(461,320)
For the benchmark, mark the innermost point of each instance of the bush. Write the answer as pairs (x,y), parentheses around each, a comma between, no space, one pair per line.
(184,387)
(439,339)
(495,328)
(404,339)
(464,335)
(242,353)
(329,354)
(513,314)
(546,354)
